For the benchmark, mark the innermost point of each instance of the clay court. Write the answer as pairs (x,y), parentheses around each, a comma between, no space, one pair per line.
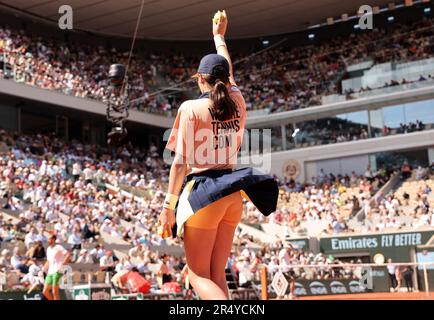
(375,296)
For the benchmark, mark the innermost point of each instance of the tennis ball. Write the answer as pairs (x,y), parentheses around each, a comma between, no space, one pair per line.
(164,233)
(217,17)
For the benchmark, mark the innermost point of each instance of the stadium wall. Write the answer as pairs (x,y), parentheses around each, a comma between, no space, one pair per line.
(402,247)
(342,158)
(399,246)
(333,109)
(11,88)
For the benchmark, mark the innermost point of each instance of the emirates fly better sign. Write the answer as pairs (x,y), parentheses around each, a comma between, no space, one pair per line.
(374,241)
(388,240)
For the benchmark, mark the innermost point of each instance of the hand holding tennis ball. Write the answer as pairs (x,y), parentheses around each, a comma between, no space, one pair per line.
(165,222)
(217,16)
(163,232)
(220,23)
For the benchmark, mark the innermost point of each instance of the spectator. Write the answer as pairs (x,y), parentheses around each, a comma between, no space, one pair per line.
(164,269)
(84,257)
(398,276)
(405,171)
(407,274)
(107,263)
(392,277)
(97,253)
(5,260)
(119,282)
(34,279)
(37,252)
(420,173)
(31,238)
(19,262)
(75,240)
(245,276)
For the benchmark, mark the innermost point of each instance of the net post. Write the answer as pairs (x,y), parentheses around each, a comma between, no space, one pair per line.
(264,286)
(425,277)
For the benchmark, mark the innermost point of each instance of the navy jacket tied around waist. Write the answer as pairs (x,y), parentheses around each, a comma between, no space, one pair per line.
(212,185)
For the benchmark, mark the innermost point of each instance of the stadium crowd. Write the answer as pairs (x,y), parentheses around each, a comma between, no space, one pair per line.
(77,191)
(334,130)
(284,256)
(279,79)
(50,186)
(47,64)
(393,83)
(332,200)
(410,206)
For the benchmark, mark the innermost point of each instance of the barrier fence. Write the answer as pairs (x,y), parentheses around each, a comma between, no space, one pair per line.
(308,280)
(319,280)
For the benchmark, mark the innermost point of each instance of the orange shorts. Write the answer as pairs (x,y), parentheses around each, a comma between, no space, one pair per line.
(228,209)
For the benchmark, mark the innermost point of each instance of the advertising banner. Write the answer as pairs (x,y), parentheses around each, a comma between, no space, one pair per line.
(300,243)
(92,292)
(133,296)
(323,287)
(394,245)
(373,279)
(243,294)
(23,295)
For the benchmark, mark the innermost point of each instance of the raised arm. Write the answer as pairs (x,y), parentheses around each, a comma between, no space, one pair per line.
(219,26)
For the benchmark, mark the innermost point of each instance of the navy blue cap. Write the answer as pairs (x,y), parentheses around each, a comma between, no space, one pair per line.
(214,65)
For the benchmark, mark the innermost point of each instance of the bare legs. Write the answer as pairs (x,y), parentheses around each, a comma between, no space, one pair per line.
(220,255)
(47,292)
(199,244)
(208,238)
(51,292)
(56,294)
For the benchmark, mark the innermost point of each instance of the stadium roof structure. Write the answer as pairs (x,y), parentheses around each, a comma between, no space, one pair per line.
(190,19)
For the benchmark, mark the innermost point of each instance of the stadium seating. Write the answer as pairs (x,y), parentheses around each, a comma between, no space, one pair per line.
(280,79)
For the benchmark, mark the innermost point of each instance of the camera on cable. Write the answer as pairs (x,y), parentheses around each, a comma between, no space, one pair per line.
(116,98)
(117,102)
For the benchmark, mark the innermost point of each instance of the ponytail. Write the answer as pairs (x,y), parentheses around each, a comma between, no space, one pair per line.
(224,107)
